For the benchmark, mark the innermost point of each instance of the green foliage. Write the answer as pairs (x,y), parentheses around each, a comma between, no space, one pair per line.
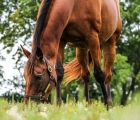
(122,73)
(1,67)
(130,38)
(69,54)
(18,22)
(130,42)
(121,69)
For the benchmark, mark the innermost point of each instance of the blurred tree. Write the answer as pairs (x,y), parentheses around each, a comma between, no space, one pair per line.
(16,26)
(1,57)
(122,74)
(130,43)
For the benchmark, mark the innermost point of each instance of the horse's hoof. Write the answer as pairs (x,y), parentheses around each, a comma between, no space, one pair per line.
(109,105)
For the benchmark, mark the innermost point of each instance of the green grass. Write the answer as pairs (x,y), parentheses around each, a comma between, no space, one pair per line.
(69,111)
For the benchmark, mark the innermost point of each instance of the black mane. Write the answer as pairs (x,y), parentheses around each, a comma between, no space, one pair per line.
(41,18)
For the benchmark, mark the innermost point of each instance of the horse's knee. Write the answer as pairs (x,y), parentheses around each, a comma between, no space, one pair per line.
(99,76)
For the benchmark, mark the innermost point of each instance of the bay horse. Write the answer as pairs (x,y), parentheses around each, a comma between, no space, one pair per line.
(91,26)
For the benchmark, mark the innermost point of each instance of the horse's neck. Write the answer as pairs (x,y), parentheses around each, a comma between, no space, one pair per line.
(56,21)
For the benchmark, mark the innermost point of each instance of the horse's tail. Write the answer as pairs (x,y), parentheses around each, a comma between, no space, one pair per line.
(72,70)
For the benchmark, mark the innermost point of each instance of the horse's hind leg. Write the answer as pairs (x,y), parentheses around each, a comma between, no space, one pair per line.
(109,57)
(60,70)
(82,57)
(94,47)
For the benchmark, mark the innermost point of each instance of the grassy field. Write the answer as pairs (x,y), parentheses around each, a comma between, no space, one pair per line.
(69,111)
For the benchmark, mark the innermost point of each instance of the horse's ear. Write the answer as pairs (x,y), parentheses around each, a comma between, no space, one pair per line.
(26,52)
(39,53)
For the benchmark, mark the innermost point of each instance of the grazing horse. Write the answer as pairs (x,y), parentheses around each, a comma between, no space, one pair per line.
(88,25)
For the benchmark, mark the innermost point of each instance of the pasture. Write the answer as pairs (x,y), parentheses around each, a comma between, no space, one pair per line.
(90,30)
(69,111)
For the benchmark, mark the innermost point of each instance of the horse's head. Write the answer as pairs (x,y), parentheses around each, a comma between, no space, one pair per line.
(38,76)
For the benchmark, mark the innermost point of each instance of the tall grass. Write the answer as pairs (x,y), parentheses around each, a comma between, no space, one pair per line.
(69,111)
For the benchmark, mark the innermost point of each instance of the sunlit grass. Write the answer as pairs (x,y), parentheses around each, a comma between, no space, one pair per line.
(68,111)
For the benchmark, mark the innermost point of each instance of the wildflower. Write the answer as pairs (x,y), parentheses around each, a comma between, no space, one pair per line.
(44,114)
(13,113)
(71,110)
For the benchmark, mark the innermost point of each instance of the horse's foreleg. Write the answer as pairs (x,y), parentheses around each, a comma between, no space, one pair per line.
(82,57)
(60,73)
(60,70)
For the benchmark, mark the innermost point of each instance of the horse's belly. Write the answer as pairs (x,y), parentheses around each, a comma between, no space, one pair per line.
(74,38)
